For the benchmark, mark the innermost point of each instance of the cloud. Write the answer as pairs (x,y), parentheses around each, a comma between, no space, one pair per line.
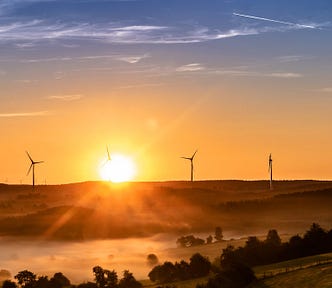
(71,97)
(36,31)
(190,68)
(285,75)
(326,90)
(291,58)
(296,25)
(24,114)
(133,59)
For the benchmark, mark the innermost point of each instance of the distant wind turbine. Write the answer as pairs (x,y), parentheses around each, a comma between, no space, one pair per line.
(270,170)
(32,166)
(191,165)
(108,154)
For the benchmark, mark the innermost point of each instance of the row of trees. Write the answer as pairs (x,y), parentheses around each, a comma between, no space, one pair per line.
(198,266)
(255,252)
(103,279)
(191,240)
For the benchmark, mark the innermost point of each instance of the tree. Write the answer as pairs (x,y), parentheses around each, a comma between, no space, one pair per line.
(129,281)
(105,278)
(152,260)
(189,241)
(163,273)
(43,282)
(199,265)
(209,239)
(273,238)
(26,279)
(59,281)
(87,285)
(182,270)
(9,284)
(218,234)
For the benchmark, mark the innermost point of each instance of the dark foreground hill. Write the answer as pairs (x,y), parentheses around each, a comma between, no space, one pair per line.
(104,210)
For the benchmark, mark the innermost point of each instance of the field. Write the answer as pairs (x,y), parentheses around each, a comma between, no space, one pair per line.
(241,208)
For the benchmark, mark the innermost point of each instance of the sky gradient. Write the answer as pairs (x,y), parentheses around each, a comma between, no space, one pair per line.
(157,79)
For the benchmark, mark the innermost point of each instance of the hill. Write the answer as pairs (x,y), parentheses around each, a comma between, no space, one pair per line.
(176,208)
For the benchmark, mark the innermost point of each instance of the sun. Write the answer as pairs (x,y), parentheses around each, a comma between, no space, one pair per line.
(120,168)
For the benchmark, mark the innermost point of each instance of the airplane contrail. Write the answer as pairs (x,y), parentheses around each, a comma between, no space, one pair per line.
(275,21)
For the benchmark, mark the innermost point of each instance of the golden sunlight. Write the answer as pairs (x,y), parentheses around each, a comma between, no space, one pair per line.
(119,168)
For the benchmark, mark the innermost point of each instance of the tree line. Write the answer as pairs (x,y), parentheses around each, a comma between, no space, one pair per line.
(191,240)
(103,278)
(316,240)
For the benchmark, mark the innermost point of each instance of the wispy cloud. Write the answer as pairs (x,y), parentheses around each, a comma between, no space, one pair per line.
(133,59)
(297,25)
(24,114)
(285,75)
(190,67)
(291,58)
(325,90)
(36,31)
(71,97)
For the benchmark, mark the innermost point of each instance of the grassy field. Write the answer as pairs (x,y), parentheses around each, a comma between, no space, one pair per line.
(319,276)
(291,265)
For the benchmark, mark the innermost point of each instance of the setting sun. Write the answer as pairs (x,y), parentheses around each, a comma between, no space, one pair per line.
(119,168)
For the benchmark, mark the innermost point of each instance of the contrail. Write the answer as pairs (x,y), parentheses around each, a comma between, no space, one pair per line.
(275,21)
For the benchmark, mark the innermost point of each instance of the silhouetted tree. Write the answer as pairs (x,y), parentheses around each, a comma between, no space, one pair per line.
(199,265)
(189,241)
(163,273)
(315,240)
(43,282)
(9,284)
(87,285)
(182,270)
(232,275)
(59,281)
(273,238)
(209,239)
(105,278)
(26,279)
(129,281)
(152,260)
(218,235)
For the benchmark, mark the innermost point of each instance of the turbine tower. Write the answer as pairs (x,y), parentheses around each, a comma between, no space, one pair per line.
(270,170)
(191,165)
(108,154)
(32,166)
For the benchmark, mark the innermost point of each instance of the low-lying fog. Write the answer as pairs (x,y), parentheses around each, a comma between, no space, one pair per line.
(76,259)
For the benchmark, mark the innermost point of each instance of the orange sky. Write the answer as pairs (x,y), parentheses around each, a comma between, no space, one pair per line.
(233,87)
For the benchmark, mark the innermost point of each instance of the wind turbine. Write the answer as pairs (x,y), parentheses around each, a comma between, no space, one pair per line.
(191,165)
(32,166)
(108,154)
(270,170)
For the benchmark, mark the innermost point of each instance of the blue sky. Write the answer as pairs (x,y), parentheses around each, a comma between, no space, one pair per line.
(229,69)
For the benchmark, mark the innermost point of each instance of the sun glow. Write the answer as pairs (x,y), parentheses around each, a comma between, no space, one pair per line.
(119,168)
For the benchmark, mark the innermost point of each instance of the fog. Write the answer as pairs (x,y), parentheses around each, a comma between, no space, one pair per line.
(76,259)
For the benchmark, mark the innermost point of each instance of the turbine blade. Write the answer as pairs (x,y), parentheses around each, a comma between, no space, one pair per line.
(29,156)
(108,154)
(29,169)
(187,158)
(38,162)
(192,157)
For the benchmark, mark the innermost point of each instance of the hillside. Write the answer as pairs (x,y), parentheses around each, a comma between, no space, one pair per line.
(241,208)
